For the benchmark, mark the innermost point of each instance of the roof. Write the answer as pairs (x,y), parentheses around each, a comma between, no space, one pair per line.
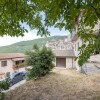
(11,55)
(16,59)
(64,53)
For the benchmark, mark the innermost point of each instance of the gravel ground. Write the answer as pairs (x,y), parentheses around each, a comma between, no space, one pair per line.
(61,84)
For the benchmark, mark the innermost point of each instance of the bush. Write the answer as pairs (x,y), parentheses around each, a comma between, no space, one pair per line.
(41,62)
(4,85)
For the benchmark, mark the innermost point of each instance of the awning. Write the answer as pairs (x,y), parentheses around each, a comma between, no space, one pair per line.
(18,59)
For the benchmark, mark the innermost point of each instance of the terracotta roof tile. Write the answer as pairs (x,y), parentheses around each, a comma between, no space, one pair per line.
(11,55)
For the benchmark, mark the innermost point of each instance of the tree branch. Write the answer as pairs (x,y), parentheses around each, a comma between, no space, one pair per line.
(98,14)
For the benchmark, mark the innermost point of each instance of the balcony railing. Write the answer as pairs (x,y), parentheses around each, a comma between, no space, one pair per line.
(17,66)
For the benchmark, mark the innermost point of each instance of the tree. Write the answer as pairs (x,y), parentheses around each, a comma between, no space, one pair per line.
(66,14)
(13,13)
(93,46)
(41,14)
(41,61)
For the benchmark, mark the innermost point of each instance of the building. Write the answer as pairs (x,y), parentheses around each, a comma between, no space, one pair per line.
(64,53)
(10,63)
(77,42)
(65,44)
(64,58)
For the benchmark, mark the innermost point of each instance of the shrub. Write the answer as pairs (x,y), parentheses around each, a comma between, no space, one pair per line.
(41,61)
(4,85)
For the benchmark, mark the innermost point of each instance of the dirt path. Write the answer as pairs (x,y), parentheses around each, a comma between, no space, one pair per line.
(61,84)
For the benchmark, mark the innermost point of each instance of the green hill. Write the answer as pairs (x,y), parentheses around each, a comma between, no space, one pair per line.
(22,47)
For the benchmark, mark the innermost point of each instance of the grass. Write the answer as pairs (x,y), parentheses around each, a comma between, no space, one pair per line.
(60,84)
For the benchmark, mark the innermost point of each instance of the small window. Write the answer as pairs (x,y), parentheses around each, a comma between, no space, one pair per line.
(75,47)
(4,63)
(17,62)
(78,45)
(22,61)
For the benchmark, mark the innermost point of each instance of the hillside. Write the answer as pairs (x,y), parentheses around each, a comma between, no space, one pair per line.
(22,47)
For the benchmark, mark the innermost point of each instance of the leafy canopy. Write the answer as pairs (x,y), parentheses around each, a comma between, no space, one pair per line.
(13,13)
(41,14)
(68,14)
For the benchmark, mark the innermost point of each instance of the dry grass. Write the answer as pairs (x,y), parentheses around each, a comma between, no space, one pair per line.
(60,84)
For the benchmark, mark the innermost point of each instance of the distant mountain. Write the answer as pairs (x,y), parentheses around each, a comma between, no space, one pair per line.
(22,47)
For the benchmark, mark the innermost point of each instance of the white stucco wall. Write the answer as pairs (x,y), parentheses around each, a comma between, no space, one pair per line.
(78,41)
(7,68)
(77,66)
(77,44)
(97,27)
(70,63)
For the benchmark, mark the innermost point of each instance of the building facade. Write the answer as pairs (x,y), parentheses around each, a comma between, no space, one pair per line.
(64,58)
(77,42)
(64,53)
(10,63)
(65,44)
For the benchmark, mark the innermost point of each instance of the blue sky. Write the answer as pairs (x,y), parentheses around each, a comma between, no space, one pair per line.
(7,40)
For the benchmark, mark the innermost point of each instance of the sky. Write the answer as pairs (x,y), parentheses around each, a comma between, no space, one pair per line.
(7,40)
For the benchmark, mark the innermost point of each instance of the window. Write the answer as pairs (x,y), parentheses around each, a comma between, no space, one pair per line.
(17,62)
(75,47)
(78,45)
(22,61)
(4,63)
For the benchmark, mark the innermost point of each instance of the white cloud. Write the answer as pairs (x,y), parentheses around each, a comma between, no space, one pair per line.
(7,40)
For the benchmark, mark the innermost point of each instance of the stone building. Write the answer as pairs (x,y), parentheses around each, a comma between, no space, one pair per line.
(60,45)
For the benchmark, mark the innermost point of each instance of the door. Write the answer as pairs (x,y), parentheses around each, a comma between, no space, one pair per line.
(60,62)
